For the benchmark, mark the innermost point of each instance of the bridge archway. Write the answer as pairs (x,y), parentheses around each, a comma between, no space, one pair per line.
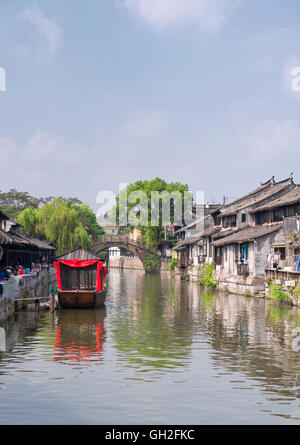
(136,248)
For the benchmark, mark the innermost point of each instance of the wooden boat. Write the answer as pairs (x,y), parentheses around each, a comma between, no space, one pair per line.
(81,280)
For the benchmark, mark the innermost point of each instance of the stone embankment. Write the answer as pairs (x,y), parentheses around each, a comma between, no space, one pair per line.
(22,287)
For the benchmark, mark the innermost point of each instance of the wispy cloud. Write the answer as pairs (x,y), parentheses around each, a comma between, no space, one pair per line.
(47,28)
(51,162)
(209,15)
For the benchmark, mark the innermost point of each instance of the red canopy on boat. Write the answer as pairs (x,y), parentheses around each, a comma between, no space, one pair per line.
(81,264)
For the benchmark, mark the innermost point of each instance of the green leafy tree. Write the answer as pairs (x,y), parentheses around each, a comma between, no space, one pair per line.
(88,219)
(14,202)
(65,224)
(151,234)
(29,219)
(151,263)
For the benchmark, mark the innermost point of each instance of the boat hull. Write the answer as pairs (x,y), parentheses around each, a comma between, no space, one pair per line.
(81,299)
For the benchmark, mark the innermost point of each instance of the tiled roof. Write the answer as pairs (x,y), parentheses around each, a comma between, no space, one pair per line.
(4,239)
(206,212)
(248,234)
(225,232)
(291,197)
(265,191)
(186,242)
(20,239)
(79,254)
(192,225)
(211,231)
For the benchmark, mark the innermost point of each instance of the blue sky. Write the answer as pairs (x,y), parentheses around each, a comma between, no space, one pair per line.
(110,91)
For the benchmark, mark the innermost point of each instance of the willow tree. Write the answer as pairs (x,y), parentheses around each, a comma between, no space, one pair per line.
(29,220)
(65,225)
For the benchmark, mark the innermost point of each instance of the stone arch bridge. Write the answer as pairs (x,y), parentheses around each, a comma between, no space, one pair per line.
(125,242)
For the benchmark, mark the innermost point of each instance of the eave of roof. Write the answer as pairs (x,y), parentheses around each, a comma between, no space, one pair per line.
(192,225)
(187,242)
(292,197)
(248,234)
(15,238)
(265,193)
(212,231)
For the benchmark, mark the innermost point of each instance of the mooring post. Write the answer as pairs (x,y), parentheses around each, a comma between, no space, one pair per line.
(52,302)
(51,299)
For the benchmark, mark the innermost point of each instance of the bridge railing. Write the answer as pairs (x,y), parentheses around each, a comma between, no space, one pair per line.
(123,239)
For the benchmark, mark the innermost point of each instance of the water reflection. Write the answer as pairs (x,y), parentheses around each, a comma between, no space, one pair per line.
(2,340)
(163,324)
(169,351)
(80,336)
(151,331)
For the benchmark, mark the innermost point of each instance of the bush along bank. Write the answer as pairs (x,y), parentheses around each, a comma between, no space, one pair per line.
(283,294)
(204,274)
(207,274)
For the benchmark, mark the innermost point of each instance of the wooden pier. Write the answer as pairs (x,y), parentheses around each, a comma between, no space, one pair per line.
(34,303)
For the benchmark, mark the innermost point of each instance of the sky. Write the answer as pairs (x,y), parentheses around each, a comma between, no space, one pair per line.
(113,91)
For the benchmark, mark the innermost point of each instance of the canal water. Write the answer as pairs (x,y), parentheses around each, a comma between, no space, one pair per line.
(162,352)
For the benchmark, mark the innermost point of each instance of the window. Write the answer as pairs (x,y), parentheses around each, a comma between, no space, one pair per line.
(217,221)
(225,253)
(244,253)
(281,250)
(244,217)
(229,221)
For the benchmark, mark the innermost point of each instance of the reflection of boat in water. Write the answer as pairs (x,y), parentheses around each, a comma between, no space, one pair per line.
(81,280)
(80,335)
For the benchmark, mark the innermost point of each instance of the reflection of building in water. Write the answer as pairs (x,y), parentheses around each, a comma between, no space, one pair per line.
(249,334)
(148,327)
(17,329)
(80,336)
(114,253)
(240,314)
(255,337)
(131,283)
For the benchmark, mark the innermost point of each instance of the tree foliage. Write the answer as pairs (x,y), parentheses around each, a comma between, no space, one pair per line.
(151,263)
(172,264)
(151,234)
(13,202)
(207,273)
(67,225)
